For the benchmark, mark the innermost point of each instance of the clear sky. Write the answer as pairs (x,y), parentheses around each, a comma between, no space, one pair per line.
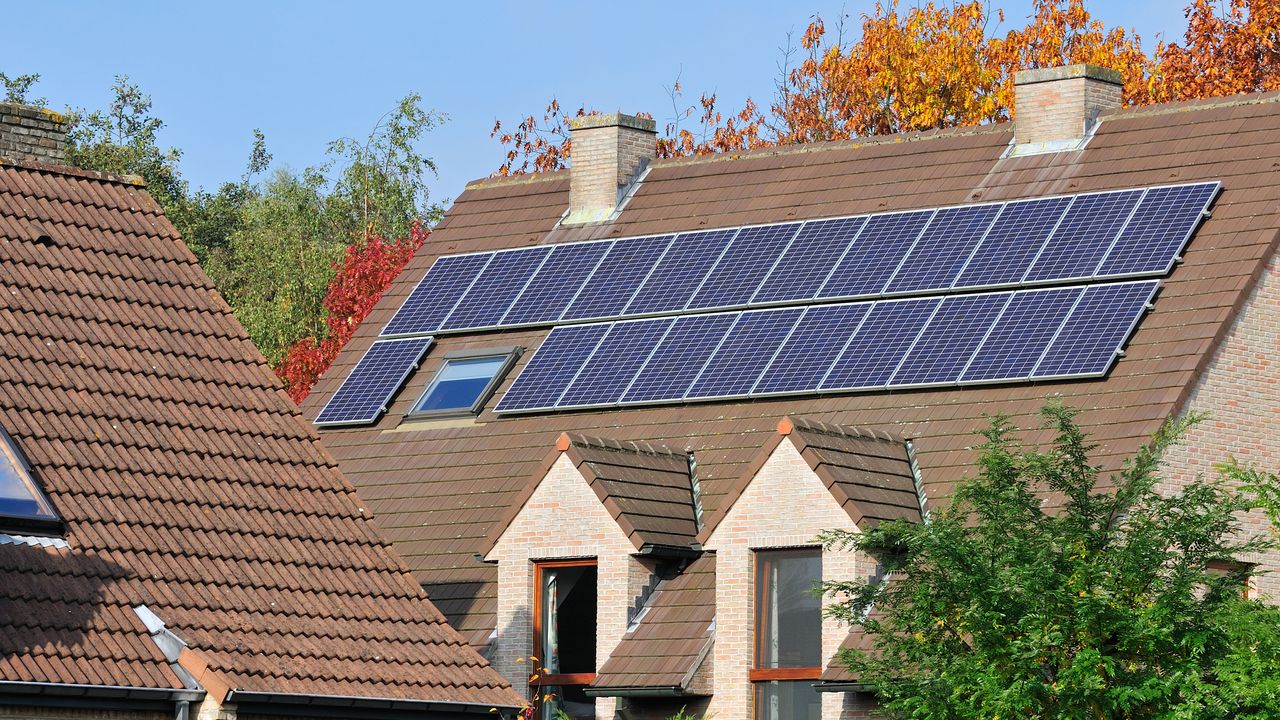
(308,72)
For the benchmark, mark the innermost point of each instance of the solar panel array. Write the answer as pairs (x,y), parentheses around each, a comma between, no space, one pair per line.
(1086,237)
(364,393)
(1032,334)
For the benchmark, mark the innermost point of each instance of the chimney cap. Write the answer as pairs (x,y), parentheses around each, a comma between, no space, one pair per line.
(1088,71)
(616,119)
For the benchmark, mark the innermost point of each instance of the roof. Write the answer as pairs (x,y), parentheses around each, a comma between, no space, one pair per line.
(188,482)
(674,633)
(438,490)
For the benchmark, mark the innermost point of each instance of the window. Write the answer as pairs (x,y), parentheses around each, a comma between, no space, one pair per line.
(465,382)
(23,506)
(788,635)
(564,631)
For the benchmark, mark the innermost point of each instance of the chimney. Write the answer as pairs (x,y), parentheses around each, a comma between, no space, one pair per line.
(609,153)
(32,134)
(1056,108)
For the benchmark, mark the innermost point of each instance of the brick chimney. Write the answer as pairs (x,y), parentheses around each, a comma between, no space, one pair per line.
(609,153)
(1056,108)
(32,134)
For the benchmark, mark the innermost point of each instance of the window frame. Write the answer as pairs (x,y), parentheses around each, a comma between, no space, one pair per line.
(21,524)
(511,353)
(557,679)
(759,674)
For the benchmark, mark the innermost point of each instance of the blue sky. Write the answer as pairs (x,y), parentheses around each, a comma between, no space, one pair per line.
(306,73)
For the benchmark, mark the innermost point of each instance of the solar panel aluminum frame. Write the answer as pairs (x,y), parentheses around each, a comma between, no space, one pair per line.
(813,300)
(399,385)
(1119,352)
(1175,257)
(1030,377)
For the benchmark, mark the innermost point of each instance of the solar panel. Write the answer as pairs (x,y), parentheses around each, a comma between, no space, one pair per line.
(1012,242)
(677,276)
(807,263)
(807,354)
(435,295)
(950,339)
(1096,330)
(875,351)
(615,280)
(365,392)
(1083,236)
(492,293)
(943,248)
(739,272)
(745,353)
(551,369)
(1022,333)
(679,357)
(1158,230)
(617,359)
(875,255)
(556,283)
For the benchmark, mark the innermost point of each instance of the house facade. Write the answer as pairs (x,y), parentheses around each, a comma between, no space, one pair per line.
(174,542)
(605,412)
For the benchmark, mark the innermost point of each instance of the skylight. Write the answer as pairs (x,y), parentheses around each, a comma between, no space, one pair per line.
(23,506)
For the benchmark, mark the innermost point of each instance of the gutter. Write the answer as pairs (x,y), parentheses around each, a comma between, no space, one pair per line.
(662,691)
(671,552)
(842,686)
(358,708)
(118,697)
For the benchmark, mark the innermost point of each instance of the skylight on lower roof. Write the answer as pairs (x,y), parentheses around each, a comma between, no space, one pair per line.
(23,505)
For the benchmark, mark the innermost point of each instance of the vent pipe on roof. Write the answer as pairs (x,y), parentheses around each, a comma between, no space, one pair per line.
(1056,108)
(32,134)
(608,155)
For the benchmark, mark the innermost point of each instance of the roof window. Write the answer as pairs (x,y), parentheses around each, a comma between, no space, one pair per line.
(23,505)
(465,382)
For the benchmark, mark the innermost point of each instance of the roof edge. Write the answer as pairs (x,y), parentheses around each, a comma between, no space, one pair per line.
(99,692)
(510,180)
(298,702)
(68,170)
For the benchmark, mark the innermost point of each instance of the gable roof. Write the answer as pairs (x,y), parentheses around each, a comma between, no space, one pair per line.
(188,482)
(439,490)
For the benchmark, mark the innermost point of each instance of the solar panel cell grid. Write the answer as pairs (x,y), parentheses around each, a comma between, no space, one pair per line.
(1095,331)
(616,279)
(943,248)
(807,354)
(1159,228)
(434,297)
(1013,241)
(1080,241)
(875,351)
(1022,333)
(745,353)
(950,339)
(679,357)
(875,255)
(491,295)
(556,283)
(551,369)
(376,377)
(616,361)
(807,263)
(677,276)
(738,274)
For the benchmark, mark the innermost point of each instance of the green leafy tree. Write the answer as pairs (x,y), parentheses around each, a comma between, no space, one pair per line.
(1122,603)
(17,89)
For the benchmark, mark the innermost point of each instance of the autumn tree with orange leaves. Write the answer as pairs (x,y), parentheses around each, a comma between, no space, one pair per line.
(931,66)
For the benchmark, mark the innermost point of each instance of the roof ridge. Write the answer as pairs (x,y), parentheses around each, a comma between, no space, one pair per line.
(518,179)
(1192,105)
(71,171)
(567,440)
(793,422)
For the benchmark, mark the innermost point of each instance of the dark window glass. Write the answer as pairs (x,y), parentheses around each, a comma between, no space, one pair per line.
(460,384)
(788,700)
(22,505)
(567,636)
(788,610)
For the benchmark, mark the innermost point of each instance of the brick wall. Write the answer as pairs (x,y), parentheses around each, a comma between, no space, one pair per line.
(1056,104)
(32,133)
(1241,392)
(608,152)
(562,519)
(759,521)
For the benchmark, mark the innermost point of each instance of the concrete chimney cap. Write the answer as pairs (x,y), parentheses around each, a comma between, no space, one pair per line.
(1068,72)
(616,119)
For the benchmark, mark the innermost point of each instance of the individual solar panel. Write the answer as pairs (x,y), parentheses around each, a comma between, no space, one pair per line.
(1096,330)
(950,339)
(745,353)
(943,248)
(620,355)
(875,351)
(549,372)
(677,276)
(738,274)
(1083,236)
(807,263)
(875,255)
(366,390)
(556,283)
(435,295)
(677,360)
(1158,230)
(1013,242)
(808,352)
(1020,336)
(491,295)
(617,277)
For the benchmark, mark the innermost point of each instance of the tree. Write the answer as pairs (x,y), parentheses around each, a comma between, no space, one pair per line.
(1123,603)
(933,66)
(18,87)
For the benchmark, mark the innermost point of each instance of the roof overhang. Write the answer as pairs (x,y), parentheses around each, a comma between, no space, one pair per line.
(118,697)
(656,692)
(356,707)
(842,687)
